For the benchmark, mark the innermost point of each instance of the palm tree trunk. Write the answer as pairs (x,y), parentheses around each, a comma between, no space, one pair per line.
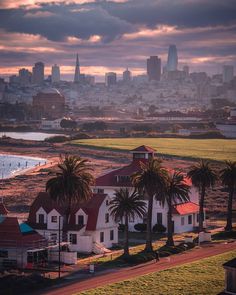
(126,242)
(229,211)
(170,241)
(148,247)
(201,209)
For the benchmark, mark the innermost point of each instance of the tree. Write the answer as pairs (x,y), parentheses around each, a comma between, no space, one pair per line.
(71,183)
(150,182)
(228,179)
(68,123)
(126,205)
(203,177)
(176,191)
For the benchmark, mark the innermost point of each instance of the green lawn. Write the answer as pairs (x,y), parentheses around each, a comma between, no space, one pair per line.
(205,277)
(215,149)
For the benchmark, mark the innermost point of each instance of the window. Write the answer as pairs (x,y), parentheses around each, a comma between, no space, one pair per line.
(131,219)
(197,217)
(100,191)
(107,203)
(111,235)
(73,239)
(80,219)
(54,219)
(53,237)
(41,218)
(190,219)
(107,217)
(182,220)
(159,218)
(101,237)
(123,178)
(3,253)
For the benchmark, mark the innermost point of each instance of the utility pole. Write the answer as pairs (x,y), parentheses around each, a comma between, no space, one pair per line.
(59,239)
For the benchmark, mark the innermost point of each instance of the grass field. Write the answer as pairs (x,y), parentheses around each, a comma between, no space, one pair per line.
(215,149)
(205,277)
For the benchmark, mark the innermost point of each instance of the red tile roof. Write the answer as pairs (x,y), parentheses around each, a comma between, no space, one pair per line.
(3,210)
(12,236)
(185,208)
(91,208)
(143,148)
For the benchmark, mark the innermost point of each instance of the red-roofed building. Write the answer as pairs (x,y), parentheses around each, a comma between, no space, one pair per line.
(185,216)
(90,227)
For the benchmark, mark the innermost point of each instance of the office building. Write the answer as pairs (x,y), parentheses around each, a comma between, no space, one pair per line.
(154,68)
(127,76)
(38,73)
(55,74)
(228,73)
(110,79)
(25,77)
(172,62)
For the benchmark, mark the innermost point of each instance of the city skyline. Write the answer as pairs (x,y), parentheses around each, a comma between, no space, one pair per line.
(111,36)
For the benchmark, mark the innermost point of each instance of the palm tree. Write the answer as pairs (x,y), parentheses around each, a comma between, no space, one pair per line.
(228,179)
(126,205)
(71,183)
(203,177)
(176,191)
(150,182)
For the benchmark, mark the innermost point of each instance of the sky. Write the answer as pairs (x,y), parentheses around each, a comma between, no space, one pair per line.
(113,35)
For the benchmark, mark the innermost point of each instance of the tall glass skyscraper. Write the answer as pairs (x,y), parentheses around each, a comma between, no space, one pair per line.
(172,62)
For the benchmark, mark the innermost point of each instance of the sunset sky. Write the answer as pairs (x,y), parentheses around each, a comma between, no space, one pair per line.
(113,35)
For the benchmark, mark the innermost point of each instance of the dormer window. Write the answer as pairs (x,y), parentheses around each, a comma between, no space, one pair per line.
(81,220)
(41,218)
(54,219)
(106,217)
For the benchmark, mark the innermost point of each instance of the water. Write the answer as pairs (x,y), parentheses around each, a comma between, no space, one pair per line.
(11,165)
(28,135)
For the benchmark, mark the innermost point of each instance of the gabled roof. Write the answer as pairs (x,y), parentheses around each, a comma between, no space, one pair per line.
(91,208)
(14,233)
(3,209)
(230,263)
(143,148)
(110,179)
(185,208)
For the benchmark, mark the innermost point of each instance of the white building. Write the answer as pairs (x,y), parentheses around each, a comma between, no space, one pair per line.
(90,227)
(55,74)
(51,124)
(185,215)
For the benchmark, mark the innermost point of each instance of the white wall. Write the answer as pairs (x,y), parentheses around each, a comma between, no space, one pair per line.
(54,225)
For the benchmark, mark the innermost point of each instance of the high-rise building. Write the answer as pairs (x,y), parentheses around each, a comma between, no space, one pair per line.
(55,74)
(186,70)
(228,73)
(172,62)
(127,76)
(110,79)
(38,73)
(25,77)
(77,70)
(154,68)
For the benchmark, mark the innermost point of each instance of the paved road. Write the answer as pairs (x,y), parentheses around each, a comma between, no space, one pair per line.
(142,269)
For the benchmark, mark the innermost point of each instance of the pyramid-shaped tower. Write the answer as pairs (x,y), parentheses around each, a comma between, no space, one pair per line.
(77,70)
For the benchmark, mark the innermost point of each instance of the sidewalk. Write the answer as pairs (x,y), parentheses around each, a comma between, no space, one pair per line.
(102,278)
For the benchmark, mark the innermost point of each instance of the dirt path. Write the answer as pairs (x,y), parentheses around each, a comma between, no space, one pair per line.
(135,271)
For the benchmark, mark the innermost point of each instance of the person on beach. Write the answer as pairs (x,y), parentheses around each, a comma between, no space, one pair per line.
(157,256)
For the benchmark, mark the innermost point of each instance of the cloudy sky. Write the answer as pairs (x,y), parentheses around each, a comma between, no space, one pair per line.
(113,35)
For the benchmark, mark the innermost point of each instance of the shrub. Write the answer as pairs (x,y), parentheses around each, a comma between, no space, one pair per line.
(121,227)
(139,258)
(140,227)
(57,139)
(159,228)
(80,135)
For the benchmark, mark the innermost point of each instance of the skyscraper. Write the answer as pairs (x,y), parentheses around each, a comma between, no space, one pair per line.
(127,75)
(77,70)
(228,73)
(55,74)
(38,73)
(24,77)
(172,62)
(154,68)
(110,79)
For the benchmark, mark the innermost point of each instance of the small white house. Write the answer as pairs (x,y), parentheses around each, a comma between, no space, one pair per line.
(90,227)
(51,124)
(185,216)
